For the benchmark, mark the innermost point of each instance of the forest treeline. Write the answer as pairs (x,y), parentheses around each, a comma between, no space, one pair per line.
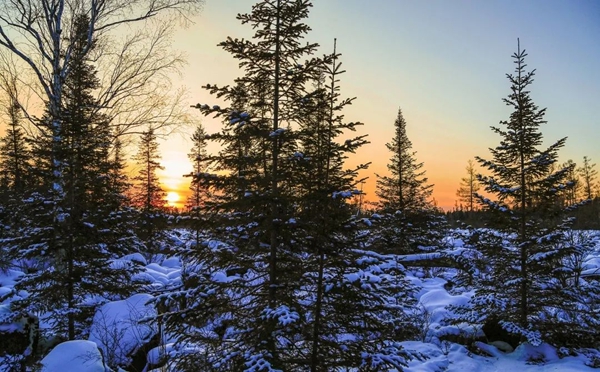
(285,270)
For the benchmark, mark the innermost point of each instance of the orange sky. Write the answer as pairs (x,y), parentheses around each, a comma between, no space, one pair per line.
(443,63)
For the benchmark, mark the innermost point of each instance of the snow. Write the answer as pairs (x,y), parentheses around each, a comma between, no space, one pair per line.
(172,263)
(117,327)
(342,194)
(222,277)
(74,356)
(456,358)
(135,257)
(156,355)
(277,132)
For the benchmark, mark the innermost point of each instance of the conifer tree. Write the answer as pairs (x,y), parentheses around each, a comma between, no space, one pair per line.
(74,251)
(254,202)
(118,180)
(406,188)
(199,158)
(15,157)
(254,197)
(15,174)
(412,223)
(148,195)
(588,178)
(468,187)
(528,253)
(572,195)
(333,240)
(200,192)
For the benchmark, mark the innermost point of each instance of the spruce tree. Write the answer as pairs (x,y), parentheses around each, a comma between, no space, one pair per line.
(468,187)
(253,201)
(15,156)
(406,187)
(525,284)
(15,177)
(411,222)
(199,158)
(200,191)
(148,195)
(572,195)
(588,178)
(333,240)
(74,251)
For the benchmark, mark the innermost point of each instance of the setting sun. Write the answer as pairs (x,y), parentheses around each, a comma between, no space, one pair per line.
(172,197)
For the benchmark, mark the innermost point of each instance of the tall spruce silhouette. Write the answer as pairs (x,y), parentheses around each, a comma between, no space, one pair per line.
(527,287)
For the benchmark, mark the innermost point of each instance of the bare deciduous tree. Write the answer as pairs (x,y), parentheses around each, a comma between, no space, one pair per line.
(36,31)
(136,90)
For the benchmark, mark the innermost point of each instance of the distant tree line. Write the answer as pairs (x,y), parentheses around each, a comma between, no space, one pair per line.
(585,194)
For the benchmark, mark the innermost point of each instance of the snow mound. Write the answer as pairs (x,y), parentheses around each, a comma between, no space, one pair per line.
(74,356)
(172,263)
(117,330)
(436,300)
(436,360)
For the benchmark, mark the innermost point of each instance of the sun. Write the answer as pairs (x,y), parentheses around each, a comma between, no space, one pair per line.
(172,197)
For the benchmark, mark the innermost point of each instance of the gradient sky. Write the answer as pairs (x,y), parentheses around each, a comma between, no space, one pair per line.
(442,61)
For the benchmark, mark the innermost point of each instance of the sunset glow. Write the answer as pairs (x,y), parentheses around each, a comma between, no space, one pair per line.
(448,76)
(172,198)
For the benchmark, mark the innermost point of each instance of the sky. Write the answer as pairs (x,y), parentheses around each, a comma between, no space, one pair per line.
(443,62)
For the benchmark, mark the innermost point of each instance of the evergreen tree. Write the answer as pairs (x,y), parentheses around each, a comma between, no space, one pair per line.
(468,187)
(74,251)
(248,288)
(15,156)
(406,188)
(200,192)
(588,177)
(15,176)
(411,221)
(572,195)
(148,196)
(525,283)
(253,187)
(118,181)
(199,157)
(333,241)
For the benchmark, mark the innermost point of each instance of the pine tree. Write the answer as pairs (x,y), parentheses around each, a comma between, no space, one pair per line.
(468,187)
(118,180)
(253,185)
(200,191)
(411,221)
(527,287)
(573,194)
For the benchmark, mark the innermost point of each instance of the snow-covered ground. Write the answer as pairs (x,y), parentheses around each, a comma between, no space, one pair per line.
(123,318)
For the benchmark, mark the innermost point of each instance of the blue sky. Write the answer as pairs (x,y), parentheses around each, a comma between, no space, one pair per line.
(442,61)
